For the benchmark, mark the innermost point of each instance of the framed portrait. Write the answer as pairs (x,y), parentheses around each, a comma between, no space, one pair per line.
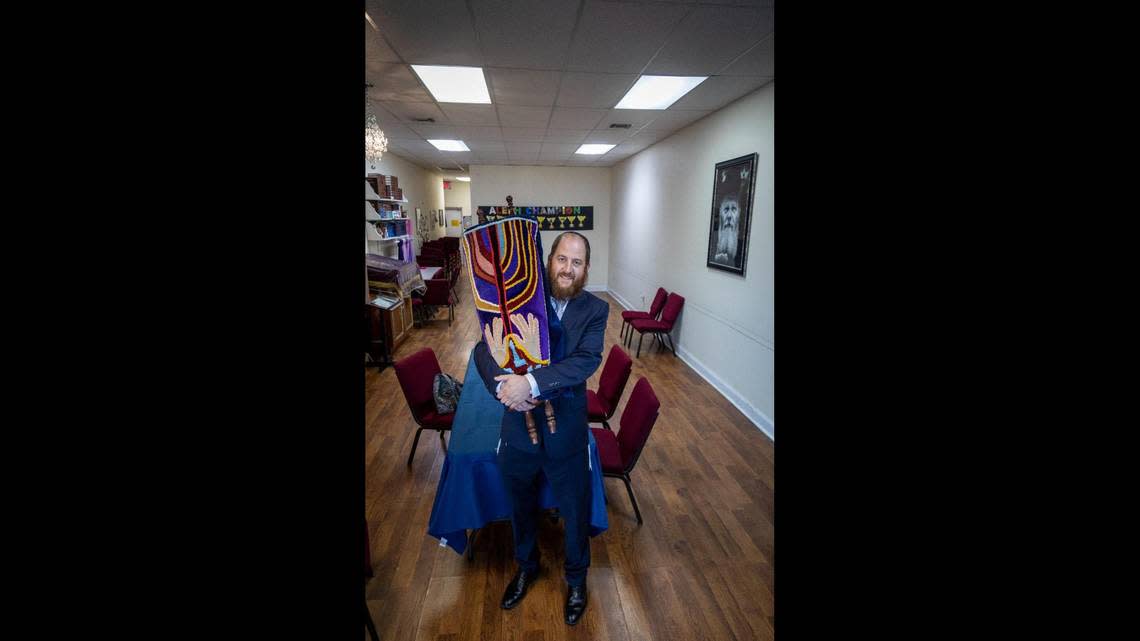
(734,182)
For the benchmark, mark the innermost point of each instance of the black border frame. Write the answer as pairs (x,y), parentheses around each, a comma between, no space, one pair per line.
(746,207)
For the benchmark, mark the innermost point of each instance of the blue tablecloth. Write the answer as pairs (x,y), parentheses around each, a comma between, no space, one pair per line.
(470,493)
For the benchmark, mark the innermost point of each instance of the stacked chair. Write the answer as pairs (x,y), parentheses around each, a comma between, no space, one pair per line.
(659,328)
(654,311)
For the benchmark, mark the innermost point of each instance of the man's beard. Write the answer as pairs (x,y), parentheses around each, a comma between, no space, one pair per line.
(566,293)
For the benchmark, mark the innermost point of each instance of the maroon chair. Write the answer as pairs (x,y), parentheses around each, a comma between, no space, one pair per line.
(654,310)
(417,375)
(438,294)
(601,405)
(620,453)
(659,328)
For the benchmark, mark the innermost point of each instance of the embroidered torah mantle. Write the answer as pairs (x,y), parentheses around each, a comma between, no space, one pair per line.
(504,260)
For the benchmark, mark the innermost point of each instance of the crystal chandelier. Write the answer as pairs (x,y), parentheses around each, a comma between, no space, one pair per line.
(375,142)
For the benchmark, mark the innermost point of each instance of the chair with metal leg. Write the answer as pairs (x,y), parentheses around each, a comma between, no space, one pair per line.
(654,311)
(417,375)
(660,328)
(619,454)
(601,405)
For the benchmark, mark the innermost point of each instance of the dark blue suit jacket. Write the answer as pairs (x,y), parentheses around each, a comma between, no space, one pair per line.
(584,329)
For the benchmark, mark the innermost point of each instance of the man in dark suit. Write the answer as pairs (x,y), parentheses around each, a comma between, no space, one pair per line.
(577,321)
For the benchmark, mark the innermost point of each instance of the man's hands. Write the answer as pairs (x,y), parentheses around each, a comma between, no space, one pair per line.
(514,392)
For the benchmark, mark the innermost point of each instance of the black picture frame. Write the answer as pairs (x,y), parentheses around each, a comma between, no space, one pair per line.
(734,181)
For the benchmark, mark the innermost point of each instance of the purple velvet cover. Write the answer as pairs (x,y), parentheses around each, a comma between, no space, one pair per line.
(504,261)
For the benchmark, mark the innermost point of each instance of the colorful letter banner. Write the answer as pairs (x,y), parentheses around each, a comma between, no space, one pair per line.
(555,218)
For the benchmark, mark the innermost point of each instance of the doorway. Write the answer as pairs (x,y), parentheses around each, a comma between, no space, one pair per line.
(453,219)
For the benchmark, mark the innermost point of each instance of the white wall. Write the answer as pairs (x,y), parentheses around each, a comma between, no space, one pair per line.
(662,200)
(422,188)
(458,196)
(539,186)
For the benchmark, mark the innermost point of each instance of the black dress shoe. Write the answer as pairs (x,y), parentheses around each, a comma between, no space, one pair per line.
(517,588)
(575,603)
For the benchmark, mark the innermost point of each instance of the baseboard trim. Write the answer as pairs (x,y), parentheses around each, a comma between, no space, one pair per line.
(621,301)
(758,418)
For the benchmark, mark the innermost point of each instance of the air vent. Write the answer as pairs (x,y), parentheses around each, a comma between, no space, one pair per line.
(433,120)
(618,125)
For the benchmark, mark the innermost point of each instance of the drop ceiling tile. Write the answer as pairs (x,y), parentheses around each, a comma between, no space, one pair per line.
(462,114)
(522,86)
(646,137)
(383,116)
(522,116)
(610,136)
(759,61)
(593,90)
(376,51)
(514,148)
(533,34)
(671,120)
(480,133)
(432,33)
(565,135)
(709,38)
(436,132)
(395,82)
(409,112)
(399,132)
(523,158)
(487,146)
(557,150)
(718,91)
(638,118)
(621,37)
(523,134)
(568,118)
(417,147)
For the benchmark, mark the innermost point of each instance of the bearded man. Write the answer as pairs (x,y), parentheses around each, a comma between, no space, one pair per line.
(577,330)
(729,226)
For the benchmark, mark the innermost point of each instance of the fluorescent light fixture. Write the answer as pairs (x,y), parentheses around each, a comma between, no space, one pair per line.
(594,149)
(463,179)
(449,145)
(455,84)
(658,92)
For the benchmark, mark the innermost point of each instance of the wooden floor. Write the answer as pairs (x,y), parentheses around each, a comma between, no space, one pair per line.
(700,567)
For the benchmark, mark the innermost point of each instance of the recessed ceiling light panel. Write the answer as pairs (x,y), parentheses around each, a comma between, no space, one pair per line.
(594,149)
(455,84)
(658,92)
(449,145)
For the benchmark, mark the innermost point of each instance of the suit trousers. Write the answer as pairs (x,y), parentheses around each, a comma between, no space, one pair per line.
(570,480)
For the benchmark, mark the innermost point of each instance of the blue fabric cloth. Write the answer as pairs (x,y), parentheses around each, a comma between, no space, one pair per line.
(470,493)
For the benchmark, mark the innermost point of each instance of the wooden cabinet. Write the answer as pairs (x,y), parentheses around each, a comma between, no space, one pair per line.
(397,325)
(391,319)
